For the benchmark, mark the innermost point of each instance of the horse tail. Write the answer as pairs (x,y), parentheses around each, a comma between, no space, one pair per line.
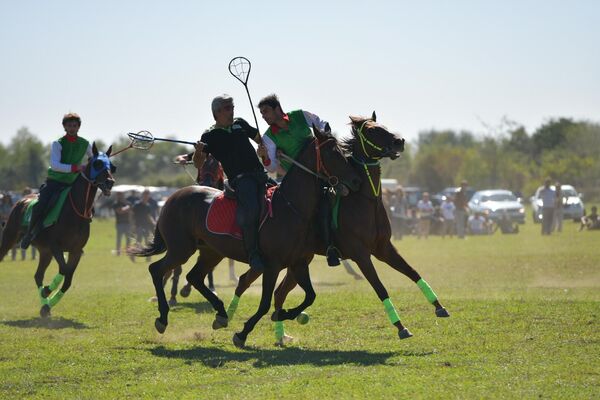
(157,246)
(11,231)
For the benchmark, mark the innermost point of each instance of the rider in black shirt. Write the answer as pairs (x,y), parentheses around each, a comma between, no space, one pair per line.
(228,142)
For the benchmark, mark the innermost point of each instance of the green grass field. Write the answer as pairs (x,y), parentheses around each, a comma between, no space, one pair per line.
(525,324)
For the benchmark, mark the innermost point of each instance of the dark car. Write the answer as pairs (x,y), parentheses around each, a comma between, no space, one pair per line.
(438,198)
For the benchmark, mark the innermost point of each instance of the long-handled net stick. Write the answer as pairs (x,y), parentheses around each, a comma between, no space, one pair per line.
(240,68)
(143,140)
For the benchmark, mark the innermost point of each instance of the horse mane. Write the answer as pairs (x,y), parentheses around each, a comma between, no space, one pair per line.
(348,143)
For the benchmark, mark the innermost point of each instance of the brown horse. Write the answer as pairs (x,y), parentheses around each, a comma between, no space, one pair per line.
(364,229)
(181,230)
(69,234)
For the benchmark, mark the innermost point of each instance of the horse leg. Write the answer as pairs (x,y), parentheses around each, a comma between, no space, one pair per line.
(66,269)
(243,284)
(268,285)
(206,262)
(390,256)
(175,281)
(368,270)
(302,277)
(158,270)
(285,287)
(43,291)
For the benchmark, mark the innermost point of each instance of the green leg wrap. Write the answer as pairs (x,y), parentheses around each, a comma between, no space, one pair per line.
(55,298)
(427,291)
(232,307)
(279,330)
(43,301)
(58,278)
(390,310)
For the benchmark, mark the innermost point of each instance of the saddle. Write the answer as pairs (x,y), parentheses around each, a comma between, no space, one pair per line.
(55,206)
(220,219)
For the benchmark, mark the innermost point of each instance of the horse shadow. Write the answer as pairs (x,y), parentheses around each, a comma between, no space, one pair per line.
(262,358)
(46,323)
(199,307)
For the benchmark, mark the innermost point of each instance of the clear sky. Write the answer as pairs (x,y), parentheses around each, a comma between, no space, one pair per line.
(156,65)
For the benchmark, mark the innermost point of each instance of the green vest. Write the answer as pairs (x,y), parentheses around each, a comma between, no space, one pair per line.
(72,153)
(292,139)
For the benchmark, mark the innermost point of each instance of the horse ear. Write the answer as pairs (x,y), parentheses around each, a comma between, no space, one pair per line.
(374,117)
(318,133)
(327,128)
(94,149)
(109,151)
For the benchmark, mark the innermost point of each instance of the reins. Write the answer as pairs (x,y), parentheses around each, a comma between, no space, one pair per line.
(332,180)
(87,213)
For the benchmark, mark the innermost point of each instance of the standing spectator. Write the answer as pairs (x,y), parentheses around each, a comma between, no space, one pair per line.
(548,197)
(425,209)
(460,214)
(558,209)
(448,208)
(143,218)
(122,210)
(398,208)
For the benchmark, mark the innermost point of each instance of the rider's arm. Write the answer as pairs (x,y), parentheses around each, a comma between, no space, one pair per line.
(55,164)
(312,119)
(272,153)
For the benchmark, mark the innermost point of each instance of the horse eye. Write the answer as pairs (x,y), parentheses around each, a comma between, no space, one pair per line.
(98,164)
(113,169)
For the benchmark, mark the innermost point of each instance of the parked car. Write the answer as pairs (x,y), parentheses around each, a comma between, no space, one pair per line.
(496,202)
(571,203)
(438,198)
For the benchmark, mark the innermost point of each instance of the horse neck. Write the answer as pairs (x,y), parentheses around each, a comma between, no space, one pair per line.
(367,185)
(302,190)
(83,194)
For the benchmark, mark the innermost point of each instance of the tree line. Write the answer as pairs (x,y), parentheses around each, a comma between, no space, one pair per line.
(507,156)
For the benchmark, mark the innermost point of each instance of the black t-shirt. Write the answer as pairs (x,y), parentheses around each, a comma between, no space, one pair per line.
(122,218)
(142,214)
(232,148)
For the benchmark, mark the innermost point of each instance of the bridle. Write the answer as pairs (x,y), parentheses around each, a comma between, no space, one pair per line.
(87,212)
(321,171)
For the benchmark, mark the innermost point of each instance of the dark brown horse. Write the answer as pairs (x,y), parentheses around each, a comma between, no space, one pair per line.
(181,230)
(69,234)
(364,229)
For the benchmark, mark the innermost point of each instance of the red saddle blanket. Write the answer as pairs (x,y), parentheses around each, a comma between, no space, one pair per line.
(220,218)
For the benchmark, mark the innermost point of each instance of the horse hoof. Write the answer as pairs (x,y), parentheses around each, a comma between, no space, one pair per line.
(238,342)
(442,313)
(45,311)
(172,302)
(303,318)
(185,291)
(160,327)
(275,316)
(220,322)
(46,292)
(404,334)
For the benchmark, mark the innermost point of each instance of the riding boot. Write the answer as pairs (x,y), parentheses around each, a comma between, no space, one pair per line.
(34,226)
(250,236)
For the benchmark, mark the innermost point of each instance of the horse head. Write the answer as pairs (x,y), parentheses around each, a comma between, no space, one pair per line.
(374,141)
(332,162)
(99,170)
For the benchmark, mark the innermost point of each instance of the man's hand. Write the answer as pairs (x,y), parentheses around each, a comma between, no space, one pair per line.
(182,159)
(261,151)
(199,146)
(199,155)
